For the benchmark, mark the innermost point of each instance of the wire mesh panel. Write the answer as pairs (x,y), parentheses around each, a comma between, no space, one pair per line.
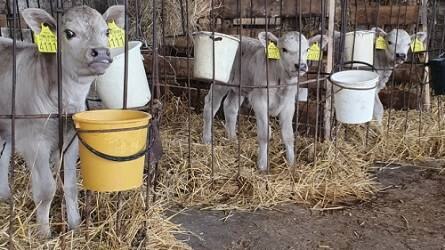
(264,130)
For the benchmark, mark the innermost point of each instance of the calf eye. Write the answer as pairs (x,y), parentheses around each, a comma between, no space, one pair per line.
(389,42)
(284,50)
(69,34)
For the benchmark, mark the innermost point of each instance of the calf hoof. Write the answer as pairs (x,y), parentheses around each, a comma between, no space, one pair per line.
(377,126)
(207,140)
(262,166)
(44,231)
(74,221)
(232,138)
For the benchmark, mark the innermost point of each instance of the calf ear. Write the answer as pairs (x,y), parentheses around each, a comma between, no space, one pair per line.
(36,17)
(379,31)
(322,41)
(270,37)
(115,13)
(420,35)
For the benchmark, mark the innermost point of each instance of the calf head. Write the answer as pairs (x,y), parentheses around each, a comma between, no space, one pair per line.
(399,42)
(293,48)
(84,37)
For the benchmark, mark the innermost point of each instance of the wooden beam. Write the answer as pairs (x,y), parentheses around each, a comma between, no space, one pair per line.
(329,65)
(384,15)
(170,66)
(426,77)
(288,8)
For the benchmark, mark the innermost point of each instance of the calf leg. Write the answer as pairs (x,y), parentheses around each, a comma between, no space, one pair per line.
(378,110)
(231,108)
(43,184)
(5,156)
(70,185)
(218,94)
(260,108)
(287,132)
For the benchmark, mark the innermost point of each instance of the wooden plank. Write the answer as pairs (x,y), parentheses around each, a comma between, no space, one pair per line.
(384,15)
(283,8)
(169,65)
(329,65)
(4,22)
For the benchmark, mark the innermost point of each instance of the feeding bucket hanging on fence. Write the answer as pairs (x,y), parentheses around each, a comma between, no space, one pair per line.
(437,68)
(112,146)
(110,86)
(354,95)
(361,49)
(225,52)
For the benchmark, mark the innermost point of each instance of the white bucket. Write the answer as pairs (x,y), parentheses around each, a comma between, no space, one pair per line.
(363,47)
(225,51)
(354,106)
(110,86)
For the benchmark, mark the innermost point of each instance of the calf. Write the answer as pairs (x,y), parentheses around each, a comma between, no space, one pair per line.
(284,71)
(85,55)
(395,54)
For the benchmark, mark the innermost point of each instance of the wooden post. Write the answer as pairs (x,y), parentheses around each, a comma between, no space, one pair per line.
(426,75)
(329,66)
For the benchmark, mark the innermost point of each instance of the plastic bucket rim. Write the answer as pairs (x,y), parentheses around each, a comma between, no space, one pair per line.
(372,81)
(78,119)
(132,45)
(363,32)
(209,33)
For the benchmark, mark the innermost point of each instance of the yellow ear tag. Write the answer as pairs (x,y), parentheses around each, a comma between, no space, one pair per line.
(273,51)
(417,46)
(116,37)
(380,43)
(314,52)
(46,40)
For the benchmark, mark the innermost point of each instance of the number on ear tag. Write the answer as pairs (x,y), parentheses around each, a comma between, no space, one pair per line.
(116,38)
(314,52)
(46,40)
(273,52)
(417,46)
(381,43)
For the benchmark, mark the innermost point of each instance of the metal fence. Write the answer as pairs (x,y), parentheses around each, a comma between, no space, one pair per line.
(168,61)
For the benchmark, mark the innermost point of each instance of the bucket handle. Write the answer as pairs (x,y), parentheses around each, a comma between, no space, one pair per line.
(216,39)
(135,156)
(350,88)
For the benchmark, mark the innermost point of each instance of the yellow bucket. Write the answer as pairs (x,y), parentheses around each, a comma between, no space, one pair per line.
(112,148)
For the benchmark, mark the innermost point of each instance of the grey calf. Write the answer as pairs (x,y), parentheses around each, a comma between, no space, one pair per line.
(84,56)
(281,99)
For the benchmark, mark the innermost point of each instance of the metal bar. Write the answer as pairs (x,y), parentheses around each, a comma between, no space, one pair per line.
(189,93)
(266,7)
(212,28)
(125,103)
(59,12)
(13,111)
(318,84)
(240,33)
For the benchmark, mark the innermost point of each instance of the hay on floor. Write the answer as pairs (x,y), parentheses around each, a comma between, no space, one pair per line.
(101,232)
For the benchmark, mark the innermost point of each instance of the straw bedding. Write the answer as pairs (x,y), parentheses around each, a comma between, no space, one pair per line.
(341,173)
(101,232)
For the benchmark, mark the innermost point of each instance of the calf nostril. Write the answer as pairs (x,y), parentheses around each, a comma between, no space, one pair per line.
(108,52)
(94,53)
